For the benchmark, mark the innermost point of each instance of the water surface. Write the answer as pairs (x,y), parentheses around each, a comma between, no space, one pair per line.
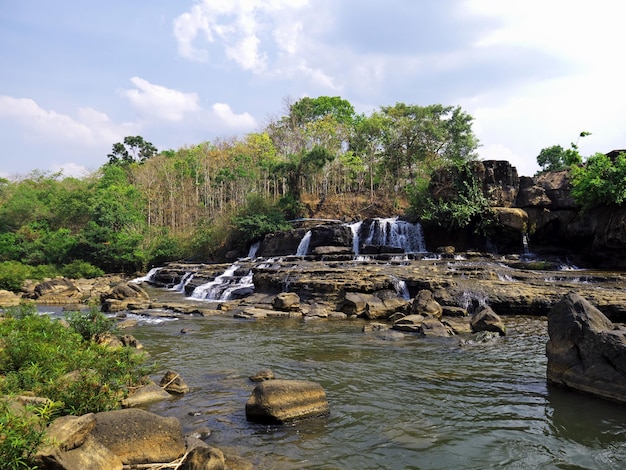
(396,403)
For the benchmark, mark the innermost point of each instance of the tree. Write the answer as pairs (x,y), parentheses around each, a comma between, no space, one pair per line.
(425,136)
(600,181)
(557,158)
(134,149)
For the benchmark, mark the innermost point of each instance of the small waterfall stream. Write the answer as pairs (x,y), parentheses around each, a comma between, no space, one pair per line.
(303,247)
(390,232)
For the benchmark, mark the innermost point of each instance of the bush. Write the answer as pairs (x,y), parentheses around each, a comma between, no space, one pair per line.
(600,181)
(89,324)
(39,352)
(13,274)
(78,269)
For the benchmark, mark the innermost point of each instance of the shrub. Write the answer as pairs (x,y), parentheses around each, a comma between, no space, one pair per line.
(89,324)
(600,181)
(81,269)
(13,274)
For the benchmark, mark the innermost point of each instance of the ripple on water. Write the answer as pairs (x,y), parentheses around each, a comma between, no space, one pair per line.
(413,403)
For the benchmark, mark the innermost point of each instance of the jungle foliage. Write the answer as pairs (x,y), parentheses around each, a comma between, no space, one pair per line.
(143,207)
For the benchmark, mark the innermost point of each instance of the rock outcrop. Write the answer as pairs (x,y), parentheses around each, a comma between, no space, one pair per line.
(586,351)
(280,401)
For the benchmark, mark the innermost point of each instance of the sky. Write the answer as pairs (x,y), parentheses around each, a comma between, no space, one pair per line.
(78,76)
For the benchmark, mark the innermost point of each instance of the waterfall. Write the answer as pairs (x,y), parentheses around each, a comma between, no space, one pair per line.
(401,288)
(244,284)
(213,290)
(395,233)
(148,277)
(180,287)
(355,227)
(303,247)
(253,249)
(525,245)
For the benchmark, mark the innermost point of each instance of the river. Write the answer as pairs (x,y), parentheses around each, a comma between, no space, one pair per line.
(396,402)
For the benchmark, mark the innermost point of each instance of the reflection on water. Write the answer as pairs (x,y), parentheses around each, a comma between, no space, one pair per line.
(410,403)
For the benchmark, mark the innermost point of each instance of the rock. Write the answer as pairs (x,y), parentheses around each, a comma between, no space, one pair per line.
(146,394)
(131,342)
(585,350)
(425,304)
(90,455)
(516,219)
(354,303)
(446,250)
(204,458)
(487,320)
(432,327)
(124,295)
(173,383)
(255,313)
(280,401)
(286,302)
(139,437)
(411,323)
(265,374)
(459,325)
(56,291)
(9,299)
(126,324)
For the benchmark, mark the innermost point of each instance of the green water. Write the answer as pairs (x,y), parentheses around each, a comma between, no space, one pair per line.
(401,403)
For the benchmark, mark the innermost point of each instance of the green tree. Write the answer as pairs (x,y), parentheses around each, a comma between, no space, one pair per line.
(134,149)
(600,181)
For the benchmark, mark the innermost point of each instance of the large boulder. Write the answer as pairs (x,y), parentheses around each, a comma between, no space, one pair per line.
(487,320)
(586,351)
(425,304)
(110,440)
(56,291)
(280,401)
(125,296)
(9,299)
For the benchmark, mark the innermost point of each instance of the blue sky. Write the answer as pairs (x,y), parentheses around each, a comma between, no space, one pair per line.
(78,76)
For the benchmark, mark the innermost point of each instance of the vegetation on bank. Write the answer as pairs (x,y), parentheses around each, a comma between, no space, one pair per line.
(60,361)
(143,207)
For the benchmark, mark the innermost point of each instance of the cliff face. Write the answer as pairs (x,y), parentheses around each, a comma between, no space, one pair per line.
(543,208)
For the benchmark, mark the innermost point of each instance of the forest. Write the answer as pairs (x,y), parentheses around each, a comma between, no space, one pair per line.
(144,207)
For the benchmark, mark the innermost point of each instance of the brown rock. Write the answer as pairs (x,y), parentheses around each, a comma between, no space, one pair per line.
(173,383)
(286,302)
(487,320)
(425,304)
(137,436)
(280,401)
(9,299)
(585,351)
(204,458)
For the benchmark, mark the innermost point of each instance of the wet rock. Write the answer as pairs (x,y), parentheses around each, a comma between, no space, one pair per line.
(586,351)
(411,323)
(130,341)
(432,327)
(146,394)
(280,401)
(286,302)
(204,458)
(265,374)
(487,320)
(425,304)
(513,218)
(173,383)
(254,313)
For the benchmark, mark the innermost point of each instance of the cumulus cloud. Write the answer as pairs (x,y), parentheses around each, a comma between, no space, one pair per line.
(264,37)
(89,128)
(228,118)
(156,101)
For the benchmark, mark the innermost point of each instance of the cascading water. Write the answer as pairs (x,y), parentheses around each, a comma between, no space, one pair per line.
(303,247)
(213,290)
(148,277)
(180,287)
(393,233)
(253,249)
(355,228)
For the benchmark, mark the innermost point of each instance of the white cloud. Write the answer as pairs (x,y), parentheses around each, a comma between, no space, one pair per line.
(89,128)
(236,121)
(71,169)
(156,101)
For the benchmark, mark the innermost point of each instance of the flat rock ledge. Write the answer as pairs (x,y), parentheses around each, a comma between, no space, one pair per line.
(280,401)
(586,351)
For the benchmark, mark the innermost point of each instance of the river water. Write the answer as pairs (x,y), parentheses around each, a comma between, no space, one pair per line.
(397,402)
